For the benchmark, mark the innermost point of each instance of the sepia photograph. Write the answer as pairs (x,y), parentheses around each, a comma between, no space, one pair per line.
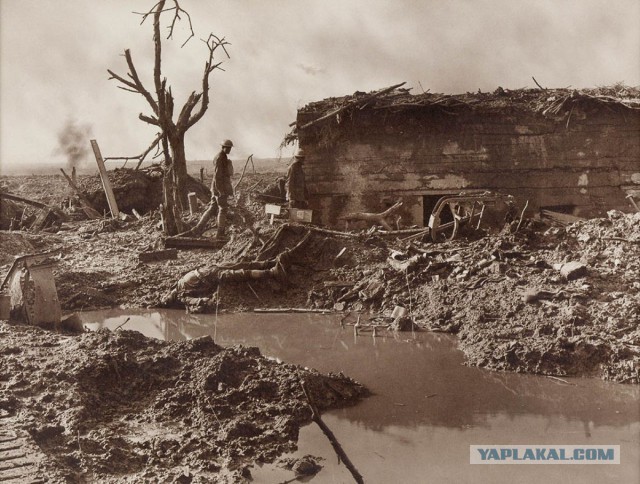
(319,241)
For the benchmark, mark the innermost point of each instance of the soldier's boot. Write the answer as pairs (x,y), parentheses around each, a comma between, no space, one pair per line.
(278,272)
(235,275)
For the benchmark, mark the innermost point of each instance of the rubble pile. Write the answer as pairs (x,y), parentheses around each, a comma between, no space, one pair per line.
(106,406)
(565,301)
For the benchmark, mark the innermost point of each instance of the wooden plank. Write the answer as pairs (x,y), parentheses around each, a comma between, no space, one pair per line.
(193,203)
(192,243)
(339,283)
(292,310)
(158,255)
(111,199)
(561,218)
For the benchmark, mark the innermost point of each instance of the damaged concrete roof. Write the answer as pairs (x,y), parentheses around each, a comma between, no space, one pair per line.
(548,102)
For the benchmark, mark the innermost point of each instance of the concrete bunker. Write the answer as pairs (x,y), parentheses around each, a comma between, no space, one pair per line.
(564,150)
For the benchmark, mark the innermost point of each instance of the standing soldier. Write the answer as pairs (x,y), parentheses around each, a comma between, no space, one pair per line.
(296,188)
(221,185)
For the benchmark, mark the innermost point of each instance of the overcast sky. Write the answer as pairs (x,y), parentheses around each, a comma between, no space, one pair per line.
(54,56)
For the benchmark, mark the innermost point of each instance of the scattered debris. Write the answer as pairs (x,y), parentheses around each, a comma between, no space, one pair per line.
(32,290)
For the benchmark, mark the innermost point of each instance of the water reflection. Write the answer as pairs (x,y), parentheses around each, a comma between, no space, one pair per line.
(416,381)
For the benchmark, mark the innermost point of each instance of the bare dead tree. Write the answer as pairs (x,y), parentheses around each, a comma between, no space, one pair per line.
(161,102)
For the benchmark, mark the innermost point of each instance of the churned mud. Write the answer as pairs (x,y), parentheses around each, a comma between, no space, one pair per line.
(119,407)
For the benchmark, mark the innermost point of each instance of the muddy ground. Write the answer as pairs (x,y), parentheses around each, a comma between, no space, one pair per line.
(513,298)
(119,407)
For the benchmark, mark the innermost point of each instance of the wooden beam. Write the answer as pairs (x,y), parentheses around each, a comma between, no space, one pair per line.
(111,199)
(191,243)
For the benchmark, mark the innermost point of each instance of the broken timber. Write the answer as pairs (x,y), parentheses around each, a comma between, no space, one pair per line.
(192,243)
(560,218)
(87,208)
(111,199)
(354,102)
(292,310)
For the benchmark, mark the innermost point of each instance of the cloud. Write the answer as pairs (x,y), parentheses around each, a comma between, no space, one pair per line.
(311,70)
(285,53)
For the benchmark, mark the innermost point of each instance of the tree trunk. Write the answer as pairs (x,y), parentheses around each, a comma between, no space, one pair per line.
(179,170)
(168,205)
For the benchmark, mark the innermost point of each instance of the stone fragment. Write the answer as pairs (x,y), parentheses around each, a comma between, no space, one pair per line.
(573,270)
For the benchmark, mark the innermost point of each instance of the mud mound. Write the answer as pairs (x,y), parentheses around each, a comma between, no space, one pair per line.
(132,188)
(139,189)
(117,406)
(13,244)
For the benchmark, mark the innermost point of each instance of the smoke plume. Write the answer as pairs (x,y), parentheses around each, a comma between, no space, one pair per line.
(73,142)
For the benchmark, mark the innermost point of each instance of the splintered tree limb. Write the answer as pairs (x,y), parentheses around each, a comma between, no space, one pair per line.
(342,455)
(213,43)
(537,84)
(87,208)
(250,158)
(141,156)
(149,119)
(375,218)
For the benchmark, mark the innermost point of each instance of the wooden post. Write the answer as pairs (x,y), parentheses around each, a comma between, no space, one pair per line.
(111,199)
(193,203)
(202,174)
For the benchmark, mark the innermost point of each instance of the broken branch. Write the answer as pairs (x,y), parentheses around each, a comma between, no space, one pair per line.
(250,158)
(342,455)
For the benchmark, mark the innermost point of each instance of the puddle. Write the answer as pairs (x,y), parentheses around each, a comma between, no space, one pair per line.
(427,407)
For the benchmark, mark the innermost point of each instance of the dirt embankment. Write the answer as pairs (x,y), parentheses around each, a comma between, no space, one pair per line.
(119,407)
